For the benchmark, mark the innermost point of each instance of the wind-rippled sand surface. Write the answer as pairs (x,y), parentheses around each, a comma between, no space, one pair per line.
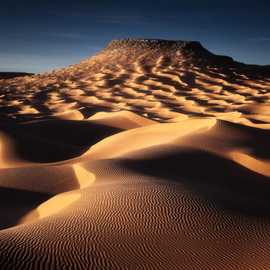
(151,155)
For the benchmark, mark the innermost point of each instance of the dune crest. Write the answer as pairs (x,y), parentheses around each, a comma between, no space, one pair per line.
(144,137)
(85,178)
(122,119)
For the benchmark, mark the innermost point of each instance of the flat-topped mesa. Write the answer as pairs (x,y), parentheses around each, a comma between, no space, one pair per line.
(188,49)
(154,44)
(148,53)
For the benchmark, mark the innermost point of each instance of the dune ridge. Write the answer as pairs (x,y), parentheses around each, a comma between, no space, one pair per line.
(153,154)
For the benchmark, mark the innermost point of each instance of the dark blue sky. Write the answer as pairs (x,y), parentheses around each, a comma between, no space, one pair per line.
(38,36)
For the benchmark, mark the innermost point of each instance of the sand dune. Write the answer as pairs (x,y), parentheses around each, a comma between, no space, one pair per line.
(49,141)
(150,155)
(122,119)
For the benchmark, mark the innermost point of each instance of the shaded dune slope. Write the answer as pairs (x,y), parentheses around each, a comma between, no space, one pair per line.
(10,75)
(155,159)
(49,141)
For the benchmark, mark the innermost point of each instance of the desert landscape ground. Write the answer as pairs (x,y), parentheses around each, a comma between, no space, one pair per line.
(152,154)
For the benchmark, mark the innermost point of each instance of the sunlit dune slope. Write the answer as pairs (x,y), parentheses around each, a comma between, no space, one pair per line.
(152,154)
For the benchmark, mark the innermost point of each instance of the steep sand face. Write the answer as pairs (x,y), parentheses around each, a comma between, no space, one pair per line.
(151,155)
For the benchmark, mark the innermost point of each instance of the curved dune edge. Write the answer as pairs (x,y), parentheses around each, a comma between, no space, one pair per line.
(85,177)
(251,163)
(48,141)
(144,137)
(51,207)
(47,179)
(70,115)
(206,134)
(122,119)
(56,204)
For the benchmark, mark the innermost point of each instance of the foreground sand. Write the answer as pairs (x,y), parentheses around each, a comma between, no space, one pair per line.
(159,163)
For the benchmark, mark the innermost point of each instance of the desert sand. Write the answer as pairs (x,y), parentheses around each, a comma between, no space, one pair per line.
(152,154)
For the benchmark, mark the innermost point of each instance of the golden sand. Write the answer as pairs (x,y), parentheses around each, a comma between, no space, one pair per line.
(150,155)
